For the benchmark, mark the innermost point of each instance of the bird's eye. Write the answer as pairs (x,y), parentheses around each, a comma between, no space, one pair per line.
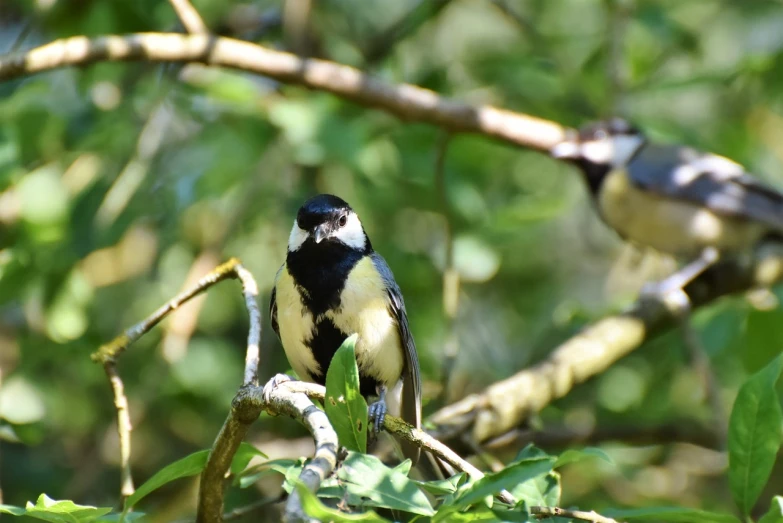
(343,220)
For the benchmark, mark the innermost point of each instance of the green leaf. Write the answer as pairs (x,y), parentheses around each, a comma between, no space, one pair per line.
(371,483)
(755,435)
(670,515)
(573,455)
(344,405)
(507,478)
(443,486)
(187,466)
(315,509)
(775,512)
(539,491)
(10,509)
(244,454)
(275,466)
(47,509)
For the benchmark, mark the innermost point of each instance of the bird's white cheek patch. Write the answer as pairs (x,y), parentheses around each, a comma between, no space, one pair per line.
(352,234)
(297,237)
(598,151)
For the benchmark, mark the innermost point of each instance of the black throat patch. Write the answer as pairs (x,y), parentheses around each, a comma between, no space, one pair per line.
(320,272)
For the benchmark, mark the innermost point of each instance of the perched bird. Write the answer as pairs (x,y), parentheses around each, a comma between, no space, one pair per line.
(332,285)
(694,205)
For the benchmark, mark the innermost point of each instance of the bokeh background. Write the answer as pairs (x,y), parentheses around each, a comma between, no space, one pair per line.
(121,183)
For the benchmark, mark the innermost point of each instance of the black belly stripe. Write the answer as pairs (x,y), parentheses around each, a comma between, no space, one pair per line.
(326,340)
(320,272)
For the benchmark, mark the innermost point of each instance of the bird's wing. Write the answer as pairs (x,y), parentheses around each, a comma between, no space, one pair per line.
(273,304)
(710,180)
(411,378)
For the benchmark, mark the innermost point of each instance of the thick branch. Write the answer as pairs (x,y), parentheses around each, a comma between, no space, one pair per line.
(506,404)
(403,100)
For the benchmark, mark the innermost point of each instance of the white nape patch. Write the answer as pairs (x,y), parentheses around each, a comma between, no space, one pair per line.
(297,237)
(351,234)
(616,150)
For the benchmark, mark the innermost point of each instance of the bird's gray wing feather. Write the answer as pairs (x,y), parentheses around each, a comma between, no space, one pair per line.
(273,304)
(709,180)
(411,385)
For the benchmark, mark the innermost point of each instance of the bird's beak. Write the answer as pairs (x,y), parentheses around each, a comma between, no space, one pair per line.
(320,233)
(565,150)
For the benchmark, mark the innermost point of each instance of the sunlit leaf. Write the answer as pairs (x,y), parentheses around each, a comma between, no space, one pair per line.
(755,435)
(182,468)
(344,405)
(574,455)
(315,509)
(507,478)
(371,483)
(775,512)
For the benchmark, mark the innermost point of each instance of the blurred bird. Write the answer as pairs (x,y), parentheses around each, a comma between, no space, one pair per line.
(680,201)
(332,285)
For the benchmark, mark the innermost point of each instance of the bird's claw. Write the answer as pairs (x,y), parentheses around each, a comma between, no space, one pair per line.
(376,413)
(273,382)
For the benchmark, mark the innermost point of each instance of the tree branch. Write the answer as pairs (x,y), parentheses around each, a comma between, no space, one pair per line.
(403,430)
(552,512)
(189,17)
(506,404)
(405,101)
(123,428)
(107,355)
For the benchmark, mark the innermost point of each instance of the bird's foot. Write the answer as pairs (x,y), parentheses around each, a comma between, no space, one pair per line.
(273,382)
(376,413)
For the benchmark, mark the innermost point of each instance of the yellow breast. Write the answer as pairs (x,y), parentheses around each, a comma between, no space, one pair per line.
(296,326)
(364,309)
(671,226)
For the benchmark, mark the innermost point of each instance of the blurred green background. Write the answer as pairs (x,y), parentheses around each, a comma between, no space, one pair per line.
(120,183)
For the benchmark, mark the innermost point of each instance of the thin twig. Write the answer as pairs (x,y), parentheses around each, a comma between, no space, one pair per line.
(107,355)
(24,32)
(123,428)
(450,274)
(189,17)
(552,512)
(113,349)
(406,101)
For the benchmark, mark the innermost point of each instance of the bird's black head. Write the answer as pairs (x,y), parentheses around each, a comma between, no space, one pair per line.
(325,219)
(599,147)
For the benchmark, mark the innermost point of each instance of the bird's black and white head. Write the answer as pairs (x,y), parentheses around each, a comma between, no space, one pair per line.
(600,147)
(324,220)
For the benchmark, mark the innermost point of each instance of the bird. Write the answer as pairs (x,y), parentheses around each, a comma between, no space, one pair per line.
(332,285)
(678,200)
